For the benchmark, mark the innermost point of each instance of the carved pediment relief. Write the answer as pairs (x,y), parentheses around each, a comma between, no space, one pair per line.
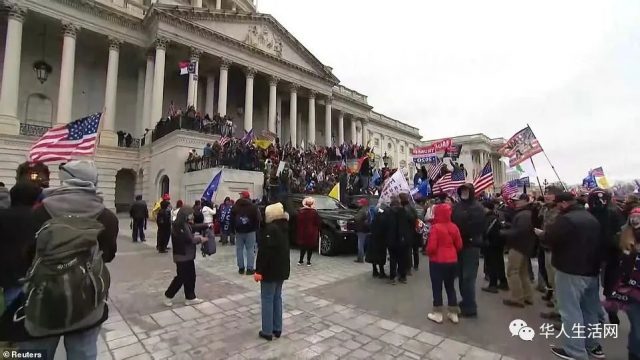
(261,37)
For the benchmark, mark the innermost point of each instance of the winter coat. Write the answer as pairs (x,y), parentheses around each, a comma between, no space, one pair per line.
(574,239)
(469,216)
(273,246)
(413,219)
(520,235)
(182,238)
(397,229)
(492,237)
(5,199)
(245,217)
(444,239)
(139,211)
(308,228)
(376,251)
(362,225)
(208,214)
(163,216)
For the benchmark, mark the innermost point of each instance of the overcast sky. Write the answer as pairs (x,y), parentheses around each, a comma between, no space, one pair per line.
(569,68)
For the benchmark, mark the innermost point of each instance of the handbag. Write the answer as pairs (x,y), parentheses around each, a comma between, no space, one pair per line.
(208,248)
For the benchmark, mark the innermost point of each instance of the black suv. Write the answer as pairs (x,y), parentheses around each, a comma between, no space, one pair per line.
(337,232)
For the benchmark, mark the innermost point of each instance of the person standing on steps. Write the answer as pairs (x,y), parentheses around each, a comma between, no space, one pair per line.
(245,221)
(307,229)
(139,215)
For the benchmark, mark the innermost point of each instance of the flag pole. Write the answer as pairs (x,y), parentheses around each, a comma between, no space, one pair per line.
(537,177)
(549,161)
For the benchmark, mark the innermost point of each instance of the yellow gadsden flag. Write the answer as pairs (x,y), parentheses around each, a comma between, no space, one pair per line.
(335,192)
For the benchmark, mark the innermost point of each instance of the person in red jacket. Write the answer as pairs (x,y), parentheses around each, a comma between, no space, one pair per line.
(308,229)
(442,248)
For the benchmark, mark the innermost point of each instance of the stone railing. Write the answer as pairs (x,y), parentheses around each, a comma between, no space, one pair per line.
(134,143)
(395,124)
(33,130)
(352,94)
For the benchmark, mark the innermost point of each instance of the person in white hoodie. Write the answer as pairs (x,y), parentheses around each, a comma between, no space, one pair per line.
(209,213)
(174,212)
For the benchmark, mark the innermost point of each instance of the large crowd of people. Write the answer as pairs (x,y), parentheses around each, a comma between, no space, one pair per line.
(587,247)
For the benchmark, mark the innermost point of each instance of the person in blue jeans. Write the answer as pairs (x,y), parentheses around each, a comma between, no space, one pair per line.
(468,214)
(272,269)
(576,247)
(363,224)
(245,220)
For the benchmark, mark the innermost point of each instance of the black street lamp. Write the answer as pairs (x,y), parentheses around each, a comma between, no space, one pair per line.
(385,159)
(41,67)
(545,183)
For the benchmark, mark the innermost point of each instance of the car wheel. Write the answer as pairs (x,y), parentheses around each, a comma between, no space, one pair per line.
(327,244)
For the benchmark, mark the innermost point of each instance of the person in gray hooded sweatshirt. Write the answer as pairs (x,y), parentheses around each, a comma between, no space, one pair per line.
(77,196)
(5,198)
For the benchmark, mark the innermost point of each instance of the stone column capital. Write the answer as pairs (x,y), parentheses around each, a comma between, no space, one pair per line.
(161,43)
(150,53)
(294,88)
(114,43)
(70,29)
(16,11)
(225,64)
(195,54)
(250,72)
(273,80)
(329,100)
(312,94)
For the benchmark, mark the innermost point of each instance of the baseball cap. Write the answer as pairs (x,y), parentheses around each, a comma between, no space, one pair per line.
(564,196)
(245,194)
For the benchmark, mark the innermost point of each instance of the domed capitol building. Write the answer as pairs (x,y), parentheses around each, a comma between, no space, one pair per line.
(65,59)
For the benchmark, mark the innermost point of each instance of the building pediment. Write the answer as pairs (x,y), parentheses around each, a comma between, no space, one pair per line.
(260,33)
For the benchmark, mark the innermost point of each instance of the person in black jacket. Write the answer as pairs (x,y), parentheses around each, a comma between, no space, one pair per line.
(494,251)
(398,231)
(520,240)
(18,236)
(469,216)
(273,268)
(376,252)
(163,220)
(576,254)
(245,221)
(414,247)
(77,197)
(139,214)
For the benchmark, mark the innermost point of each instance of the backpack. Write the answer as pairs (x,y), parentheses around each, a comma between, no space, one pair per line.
(68,283)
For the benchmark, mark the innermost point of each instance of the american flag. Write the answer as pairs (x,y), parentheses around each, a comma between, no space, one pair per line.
(521,147)
(224,140)
(597,172)
(64,142)
(510,188)
(449,182)
(484,180)
(433,171)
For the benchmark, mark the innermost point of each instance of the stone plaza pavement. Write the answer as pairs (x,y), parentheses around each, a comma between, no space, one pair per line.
(328,314)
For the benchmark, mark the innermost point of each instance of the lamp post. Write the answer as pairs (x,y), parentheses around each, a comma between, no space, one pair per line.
(545,183)
(385,160)
(41,67)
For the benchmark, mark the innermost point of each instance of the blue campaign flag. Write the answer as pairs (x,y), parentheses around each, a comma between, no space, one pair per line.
(211,190)
(422,190)
(590,181)
(375,179)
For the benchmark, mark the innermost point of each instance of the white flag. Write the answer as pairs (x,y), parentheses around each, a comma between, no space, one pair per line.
(393,186)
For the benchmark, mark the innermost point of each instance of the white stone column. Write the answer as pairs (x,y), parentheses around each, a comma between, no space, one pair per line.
(67,68)
(148,122)
(327,121)
(293,113)
(363,129)
(196,3)
(158,79)
(311,128)
(9,123)
(248,99)
(218,4)
(108,135)
(192,87)
(139,123)
(222,87)
(354,131)
(340,128)
(210,95)
(273,94)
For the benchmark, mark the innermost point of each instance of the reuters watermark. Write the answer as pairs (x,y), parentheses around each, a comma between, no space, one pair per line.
(519,328)
(23,354)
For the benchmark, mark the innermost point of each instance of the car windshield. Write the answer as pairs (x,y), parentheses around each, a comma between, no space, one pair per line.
(327,203)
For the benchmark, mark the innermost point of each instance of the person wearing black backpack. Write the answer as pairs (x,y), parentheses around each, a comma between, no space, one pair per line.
(74,212)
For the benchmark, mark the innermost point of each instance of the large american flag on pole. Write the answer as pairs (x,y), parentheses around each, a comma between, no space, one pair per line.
(521,147)
(65,142)
(449,182)
(484,179)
